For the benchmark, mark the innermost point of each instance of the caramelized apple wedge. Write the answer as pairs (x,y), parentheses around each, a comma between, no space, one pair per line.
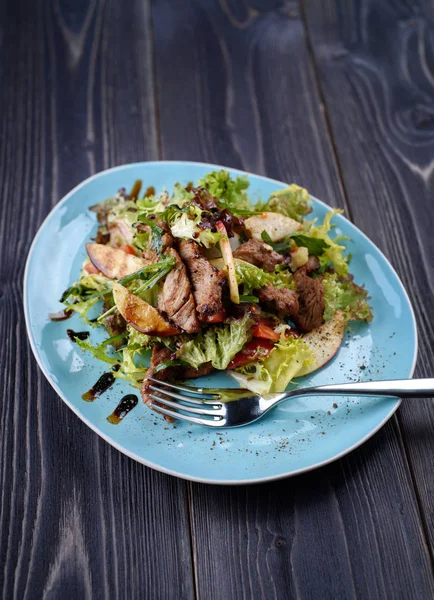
(113,262)
(324,342)
(141,315)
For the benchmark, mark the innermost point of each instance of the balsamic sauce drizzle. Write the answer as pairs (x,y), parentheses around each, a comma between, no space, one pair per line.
(127,403)
(104,382)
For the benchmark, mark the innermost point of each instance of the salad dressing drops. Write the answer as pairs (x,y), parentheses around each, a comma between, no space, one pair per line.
(104,382)
(81,335)
(127,404)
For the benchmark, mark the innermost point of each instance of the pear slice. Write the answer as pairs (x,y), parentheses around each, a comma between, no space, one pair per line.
(113,262)
(141,315)
(324,342)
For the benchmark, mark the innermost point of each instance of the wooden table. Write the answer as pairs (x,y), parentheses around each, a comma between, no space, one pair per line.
(335,95)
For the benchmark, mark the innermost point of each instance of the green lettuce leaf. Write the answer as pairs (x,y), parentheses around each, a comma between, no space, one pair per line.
(230,192)
(180,195)
(315,246)
(294,202)
(333,253)
(82,308)
(253,278)
(275,373)
(345,295)
(217,345)
(98,351)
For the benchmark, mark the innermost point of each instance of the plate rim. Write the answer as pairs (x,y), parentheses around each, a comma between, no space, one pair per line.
(136,457)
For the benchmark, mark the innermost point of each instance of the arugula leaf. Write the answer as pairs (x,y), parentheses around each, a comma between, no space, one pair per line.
(169,363)
(247,298)
(280,247)
(156,233)
(315,246)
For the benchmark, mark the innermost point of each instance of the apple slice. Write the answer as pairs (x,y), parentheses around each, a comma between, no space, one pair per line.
(276,225)
(141,315)
(324,342)
(228,259)
(113,262)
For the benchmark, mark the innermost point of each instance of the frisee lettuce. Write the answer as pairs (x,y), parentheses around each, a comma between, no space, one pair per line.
(345,295)
(185,225)
(293,201)
(253,278)
(274,374)
(230,192)
(333,254)
(217,344)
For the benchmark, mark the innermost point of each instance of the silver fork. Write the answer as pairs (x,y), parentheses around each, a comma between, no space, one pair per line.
(237,407)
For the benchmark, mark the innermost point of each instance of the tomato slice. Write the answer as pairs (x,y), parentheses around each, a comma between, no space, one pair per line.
(128,249)
(264,331)
(216,318)
(251,351)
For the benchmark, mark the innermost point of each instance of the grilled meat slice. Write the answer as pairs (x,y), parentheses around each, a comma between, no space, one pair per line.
(176,298)
(259,254)
(207,282)
(285,301)
(311,300)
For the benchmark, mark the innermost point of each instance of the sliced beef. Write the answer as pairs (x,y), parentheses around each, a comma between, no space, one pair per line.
(207,282)
(311,300)
(312,264)
(239,310)
(191,373)
(259,254)
(102,236)
(176,298)
(150,255)
(285,301)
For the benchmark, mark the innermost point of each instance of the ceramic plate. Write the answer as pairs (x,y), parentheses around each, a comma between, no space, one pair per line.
(297,436)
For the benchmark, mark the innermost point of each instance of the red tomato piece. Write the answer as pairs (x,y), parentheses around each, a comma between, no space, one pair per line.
(128,249)
(250,352)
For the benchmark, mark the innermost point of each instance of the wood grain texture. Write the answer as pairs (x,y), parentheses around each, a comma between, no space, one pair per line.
(376,67)
(235,86)
(77,518)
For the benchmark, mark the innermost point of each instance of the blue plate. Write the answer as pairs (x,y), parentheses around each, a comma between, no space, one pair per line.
(297,436)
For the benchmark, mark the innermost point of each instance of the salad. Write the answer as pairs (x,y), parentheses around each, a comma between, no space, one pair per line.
(202,279)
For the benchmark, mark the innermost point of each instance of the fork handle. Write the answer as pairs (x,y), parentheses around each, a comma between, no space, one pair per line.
(408,388)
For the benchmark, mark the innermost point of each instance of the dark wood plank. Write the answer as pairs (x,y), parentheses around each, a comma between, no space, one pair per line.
(246,97)
(376,68)
(77,518)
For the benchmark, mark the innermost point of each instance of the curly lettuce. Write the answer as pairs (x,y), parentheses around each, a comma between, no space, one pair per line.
(230,192)
(216,345)
(345,295)
(333,254)
(186,225)
(289,356)
(253,278)
(294,202)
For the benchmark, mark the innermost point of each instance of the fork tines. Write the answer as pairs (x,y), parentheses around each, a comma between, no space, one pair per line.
(185,405)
